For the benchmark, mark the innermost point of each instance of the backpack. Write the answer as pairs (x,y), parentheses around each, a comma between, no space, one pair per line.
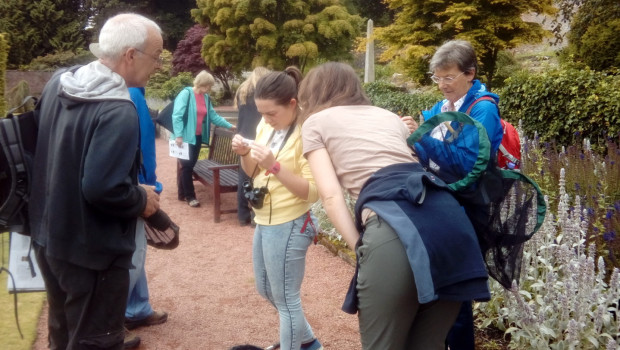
(509,152)
(18,139)
(504,206)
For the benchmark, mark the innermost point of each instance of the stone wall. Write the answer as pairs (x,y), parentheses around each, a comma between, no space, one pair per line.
(36,80)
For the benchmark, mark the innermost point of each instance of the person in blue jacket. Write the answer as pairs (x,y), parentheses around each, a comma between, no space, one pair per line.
(195,103)
(139,311)
(454,67)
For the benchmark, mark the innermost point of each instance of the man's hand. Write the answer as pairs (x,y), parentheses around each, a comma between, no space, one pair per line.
(152,201)
(179,141)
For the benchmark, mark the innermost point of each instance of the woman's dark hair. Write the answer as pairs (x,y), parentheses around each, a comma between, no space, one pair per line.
(328,85)
(279,86)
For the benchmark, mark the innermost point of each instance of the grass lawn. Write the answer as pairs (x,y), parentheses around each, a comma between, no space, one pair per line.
(28,307)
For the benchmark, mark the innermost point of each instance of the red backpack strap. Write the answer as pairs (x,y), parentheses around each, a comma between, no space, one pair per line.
(483,98)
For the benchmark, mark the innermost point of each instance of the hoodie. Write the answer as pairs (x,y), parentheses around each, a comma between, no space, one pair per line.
(84,198)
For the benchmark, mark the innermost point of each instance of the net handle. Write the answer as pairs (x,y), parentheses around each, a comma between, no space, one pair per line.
(484,149)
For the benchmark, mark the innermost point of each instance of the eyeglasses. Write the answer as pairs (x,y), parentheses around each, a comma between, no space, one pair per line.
(157,59)
(447,80)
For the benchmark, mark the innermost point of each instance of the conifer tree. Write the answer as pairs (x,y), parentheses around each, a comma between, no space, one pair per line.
(249,33)
(594,37)
(36,28)
(491,26)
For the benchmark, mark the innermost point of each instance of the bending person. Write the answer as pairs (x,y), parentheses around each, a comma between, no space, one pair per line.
(281,191)
(191,122)
(418,256)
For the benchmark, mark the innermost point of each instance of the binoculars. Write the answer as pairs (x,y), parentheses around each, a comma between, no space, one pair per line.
(256,196)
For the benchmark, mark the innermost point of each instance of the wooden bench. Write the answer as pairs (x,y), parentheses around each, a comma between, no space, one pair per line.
(220,170)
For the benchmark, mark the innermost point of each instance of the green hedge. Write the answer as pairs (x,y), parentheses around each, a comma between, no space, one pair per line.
(399,101)
(564,105)
(57,60)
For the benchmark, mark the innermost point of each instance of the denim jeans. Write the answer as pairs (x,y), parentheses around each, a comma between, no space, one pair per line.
(138,306)
(279,255)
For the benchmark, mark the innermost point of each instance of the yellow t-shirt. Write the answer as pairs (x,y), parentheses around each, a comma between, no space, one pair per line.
(280,204)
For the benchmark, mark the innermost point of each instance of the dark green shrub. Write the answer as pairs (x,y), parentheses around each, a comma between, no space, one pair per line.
(61,59)
(600,45)
(563,105)
(398,100)
(593,36)
(171,87)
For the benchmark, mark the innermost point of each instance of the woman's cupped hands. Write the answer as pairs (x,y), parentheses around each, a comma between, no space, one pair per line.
(258,153)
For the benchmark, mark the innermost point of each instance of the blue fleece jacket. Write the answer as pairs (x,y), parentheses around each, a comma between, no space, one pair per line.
(147,140)
(485,112)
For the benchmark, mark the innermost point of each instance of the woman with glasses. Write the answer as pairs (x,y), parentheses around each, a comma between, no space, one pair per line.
(280,191)
(192,116)
(454,67)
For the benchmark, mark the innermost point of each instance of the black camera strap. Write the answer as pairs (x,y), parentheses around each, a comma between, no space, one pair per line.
(254,173)
(286,137)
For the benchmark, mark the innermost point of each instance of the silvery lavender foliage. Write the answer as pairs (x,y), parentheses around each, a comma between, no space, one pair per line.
(563,300)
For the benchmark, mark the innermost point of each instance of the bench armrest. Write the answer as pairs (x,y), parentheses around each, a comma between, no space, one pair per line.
(222,167)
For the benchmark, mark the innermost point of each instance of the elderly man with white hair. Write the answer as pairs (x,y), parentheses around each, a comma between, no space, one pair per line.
(85,197)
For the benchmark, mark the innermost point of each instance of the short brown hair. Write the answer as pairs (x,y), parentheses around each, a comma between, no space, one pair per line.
(328,85)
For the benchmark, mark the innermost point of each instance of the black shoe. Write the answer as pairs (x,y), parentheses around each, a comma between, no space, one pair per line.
(131,341)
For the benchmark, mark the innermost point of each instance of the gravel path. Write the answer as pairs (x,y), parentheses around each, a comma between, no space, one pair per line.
(207,283)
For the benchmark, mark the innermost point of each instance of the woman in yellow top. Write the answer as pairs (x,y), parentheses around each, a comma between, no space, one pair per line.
(281,191)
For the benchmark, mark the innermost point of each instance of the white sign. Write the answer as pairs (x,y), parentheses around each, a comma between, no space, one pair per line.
(21,268)
(179,152)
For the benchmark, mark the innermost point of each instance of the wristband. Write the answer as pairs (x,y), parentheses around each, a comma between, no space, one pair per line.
(275,169)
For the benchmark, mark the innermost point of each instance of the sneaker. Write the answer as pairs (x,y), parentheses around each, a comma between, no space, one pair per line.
(157,317)
(193,203)
(313,345)
(131,341)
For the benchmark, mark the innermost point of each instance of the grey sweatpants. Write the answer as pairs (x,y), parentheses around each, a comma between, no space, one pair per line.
(390,316)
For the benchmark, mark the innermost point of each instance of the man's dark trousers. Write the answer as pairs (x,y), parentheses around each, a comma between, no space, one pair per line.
(86,307)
